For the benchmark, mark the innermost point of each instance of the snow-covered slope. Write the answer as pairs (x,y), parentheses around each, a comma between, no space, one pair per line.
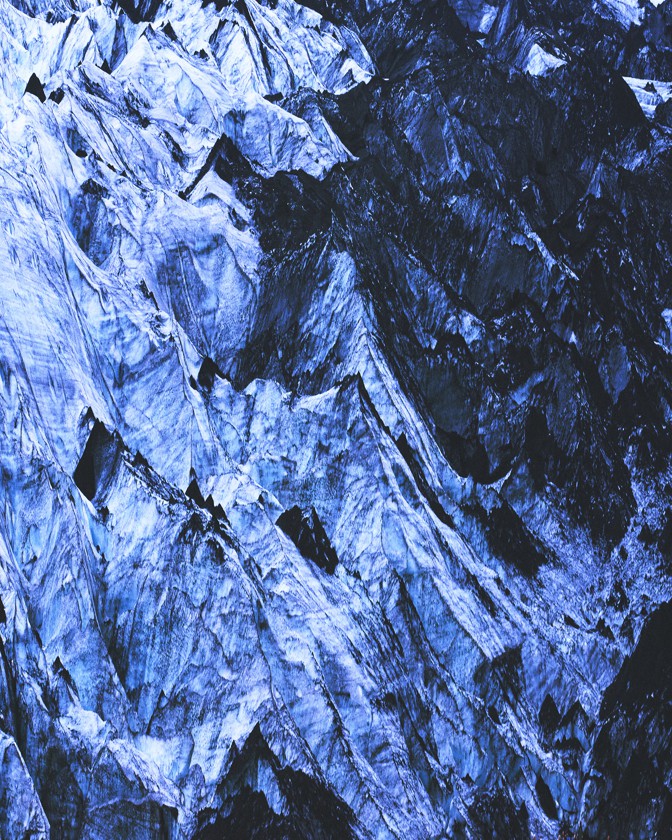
(335,386)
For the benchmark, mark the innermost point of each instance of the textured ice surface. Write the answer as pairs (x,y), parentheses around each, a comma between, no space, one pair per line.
(540,62)
(649,93)
(334,405)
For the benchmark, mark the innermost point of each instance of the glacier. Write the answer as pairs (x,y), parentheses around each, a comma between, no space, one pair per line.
(335,410)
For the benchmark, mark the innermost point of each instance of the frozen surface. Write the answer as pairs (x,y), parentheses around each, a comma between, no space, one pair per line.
(335,387)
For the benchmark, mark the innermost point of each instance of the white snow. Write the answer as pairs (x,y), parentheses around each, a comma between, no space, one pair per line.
(540,62)
(650,93)
(627,12)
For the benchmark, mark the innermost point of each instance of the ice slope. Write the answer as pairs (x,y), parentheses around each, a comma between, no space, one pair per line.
(260,258)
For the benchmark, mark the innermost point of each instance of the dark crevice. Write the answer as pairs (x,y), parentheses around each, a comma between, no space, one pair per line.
(193,492)
(421,482)
(509,538)
(546,800)
(305,530)
(309,809)
(98,461)
(207,373)
(34,86)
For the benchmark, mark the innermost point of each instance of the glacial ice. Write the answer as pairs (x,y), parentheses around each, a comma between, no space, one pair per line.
(258,260)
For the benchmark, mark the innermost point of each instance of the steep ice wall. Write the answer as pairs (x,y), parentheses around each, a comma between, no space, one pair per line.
(335,388)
